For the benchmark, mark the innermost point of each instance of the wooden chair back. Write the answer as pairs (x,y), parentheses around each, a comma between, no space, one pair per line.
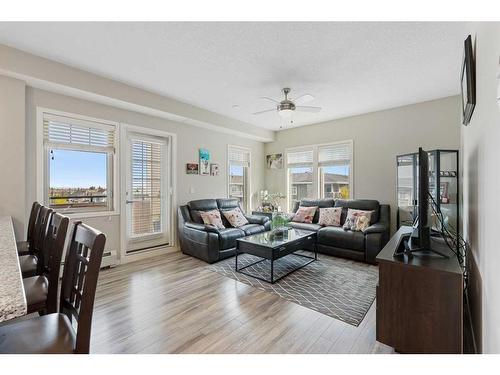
(35,209)
(40,230)
(50,256)
(81,270)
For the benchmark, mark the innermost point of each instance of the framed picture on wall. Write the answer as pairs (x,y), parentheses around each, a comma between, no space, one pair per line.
(204,161)
(274,161)
(192,168)
(214,169)
(468,82)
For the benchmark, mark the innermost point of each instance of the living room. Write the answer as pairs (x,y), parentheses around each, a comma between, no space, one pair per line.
(249,187)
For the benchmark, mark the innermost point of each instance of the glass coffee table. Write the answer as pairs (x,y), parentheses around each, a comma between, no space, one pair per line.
(268,246)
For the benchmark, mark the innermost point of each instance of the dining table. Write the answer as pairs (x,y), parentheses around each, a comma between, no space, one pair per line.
(12,297)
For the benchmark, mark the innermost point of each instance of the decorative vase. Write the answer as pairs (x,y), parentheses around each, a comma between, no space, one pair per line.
(279,224)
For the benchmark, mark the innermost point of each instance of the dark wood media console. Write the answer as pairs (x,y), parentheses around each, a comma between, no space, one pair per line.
(419,300)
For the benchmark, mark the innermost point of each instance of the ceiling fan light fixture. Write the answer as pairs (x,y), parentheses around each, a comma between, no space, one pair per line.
(285,113)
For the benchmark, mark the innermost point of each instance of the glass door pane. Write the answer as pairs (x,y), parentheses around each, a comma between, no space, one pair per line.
(406,167)
(237,183)
(147,193)
(448,188)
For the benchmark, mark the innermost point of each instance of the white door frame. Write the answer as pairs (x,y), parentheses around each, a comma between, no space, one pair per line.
(171,185)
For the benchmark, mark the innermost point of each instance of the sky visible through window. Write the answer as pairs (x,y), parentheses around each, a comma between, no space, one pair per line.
(77,169)
(236,170)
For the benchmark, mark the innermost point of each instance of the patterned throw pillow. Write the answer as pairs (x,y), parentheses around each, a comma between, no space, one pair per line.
(330,217)
(212,217)
(235,217)
(357,220)
(354,213)
(304,214)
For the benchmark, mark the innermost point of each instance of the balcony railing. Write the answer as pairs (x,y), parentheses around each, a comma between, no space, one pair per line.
(78,201)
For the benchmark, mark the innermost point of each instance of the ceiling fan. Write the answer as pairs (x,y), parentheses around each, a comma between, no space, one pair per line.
(287,106)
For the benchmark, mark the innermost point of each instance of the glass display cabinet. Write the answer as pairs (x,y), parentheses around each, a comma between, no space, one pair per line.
(443,186)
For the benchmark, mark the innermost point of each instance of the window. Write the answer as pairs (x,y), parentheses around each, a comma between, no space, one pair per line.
(321,171)
(79,158)
(300,175)
(334,163)
(239,175)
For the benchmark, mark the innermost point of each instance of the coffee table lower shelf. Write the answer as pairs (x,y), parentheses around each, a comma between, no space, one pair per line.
(273,280)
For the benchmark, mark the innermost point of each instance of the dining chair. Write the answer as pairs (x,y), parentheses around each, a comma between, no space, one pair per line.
(41,290)
(54,333)
(29,263)
(23,247)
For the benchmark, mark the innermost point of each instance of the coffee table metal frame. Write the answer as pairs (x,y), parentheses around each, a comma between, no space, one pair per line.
(273,253)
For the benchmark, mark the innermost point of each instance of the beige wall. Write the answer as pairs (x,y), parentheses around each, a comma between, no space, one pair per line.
(378,137)
(12,152)
(56,77)
(189,140)
(481,189)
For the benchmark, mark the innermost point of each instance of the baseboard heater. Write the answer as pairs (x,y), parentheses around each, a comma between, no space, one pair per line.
(109,259)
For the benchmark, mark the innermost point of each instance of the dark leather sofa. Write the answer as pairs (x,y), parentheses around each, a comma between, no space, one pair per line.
(207,242)
(336,241)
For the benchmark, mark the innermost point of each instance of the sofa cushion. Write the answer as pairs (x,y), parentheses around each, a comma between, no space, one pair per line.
(228,237)
(201,205)
(330,216)
(235,217)
(338,237)
(359,204)
(304,215)
(250,229)
(212,217)
(227,203)
(320,203)
(306,226)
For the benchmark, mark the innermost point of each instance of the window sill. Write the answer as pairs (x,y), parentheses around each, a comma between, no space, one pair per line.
(86,215)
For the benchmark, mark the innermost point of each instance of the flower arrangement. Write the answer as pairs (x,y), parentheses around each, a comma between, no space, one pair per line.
(270,201)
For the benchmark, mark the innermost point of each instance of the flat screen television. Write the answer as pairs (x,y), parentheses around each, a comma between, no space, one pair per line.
(420,239)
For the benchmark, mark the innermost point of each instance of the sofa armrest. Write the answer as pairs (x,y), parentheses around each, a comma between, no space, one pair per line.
(257,219)
(377,228)
(202,227)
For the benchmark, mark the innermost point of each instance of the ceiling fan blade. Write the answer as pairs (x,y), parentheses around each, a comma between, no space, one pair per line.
(306,98)
(306,108)
(265,111)
(270,99)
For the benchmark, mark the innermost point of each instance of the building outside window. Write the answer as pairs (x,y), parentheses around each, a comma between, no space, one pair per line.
(239,175)
(79,159)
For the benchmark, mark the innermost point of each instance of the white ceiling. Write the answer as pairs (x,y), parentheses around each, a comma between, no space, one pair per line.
(351,68)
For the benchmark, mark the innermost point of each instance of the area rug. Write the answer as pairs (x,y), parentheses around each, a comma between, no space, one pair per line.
(336,287)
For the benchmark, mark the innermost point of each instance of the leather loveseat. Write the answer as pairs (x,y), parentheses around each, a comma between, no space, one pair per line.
(356,245)
(207,242)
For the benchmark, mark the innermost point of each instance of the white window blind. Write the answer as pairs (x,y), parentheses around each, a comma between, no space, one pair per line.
(238,156)
(66,132)
(334,154)
(300,157)
(146,187)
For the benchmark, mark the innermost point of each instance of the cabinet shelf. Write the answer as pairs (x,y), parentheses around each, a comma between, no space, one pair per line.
(440,186)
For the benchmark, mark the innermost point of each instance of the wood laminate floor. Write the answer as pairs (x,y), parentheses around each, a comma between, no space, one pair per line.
(173,304)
